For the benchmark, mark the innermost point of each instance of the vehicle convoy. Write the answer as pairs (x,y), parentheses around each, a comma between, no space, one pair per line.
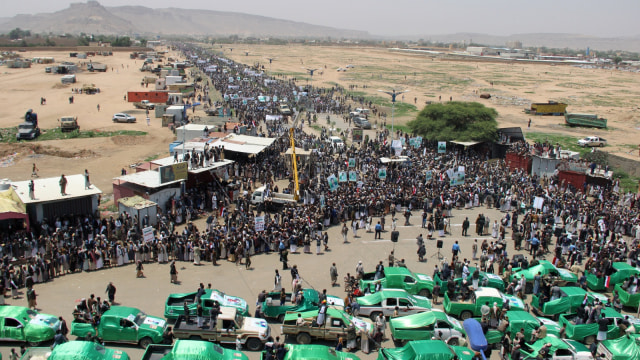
(191,350)
(588,120)
(260,196)
(548,108)
(624,348)
(399,278)
(465,309)
(426,350)
(19,323)
(69,123)
(312,352)
(561,349)
(74,350)
(335,325)
(586,333)
(592,141)
(123,324)
(548,271)
(385,302)
(617,274)
(231,325)
(425,326)
(28,130)
(273,309)
(174,305)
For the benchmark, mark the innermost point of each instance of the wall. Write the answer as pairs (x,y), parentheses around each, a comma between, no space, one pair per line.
(630,166)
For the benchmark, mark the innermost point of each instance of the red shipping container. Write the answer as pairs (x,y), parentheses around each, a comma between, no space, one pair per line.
(156,97)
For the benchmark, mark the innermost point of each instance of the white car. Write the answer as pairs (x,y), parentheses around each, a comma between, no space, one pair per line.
(341,69)
(122,117)
(350,66)
(592,141)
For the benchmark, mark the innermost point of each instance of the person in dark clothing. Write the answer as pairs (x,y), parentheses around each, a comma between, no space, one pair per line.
(167,336)
(186,312)
(111,292)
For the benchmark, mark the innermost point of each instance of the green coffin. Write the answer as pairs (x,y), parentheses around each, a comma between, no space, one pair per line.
(75,350)
(416,326)
(630,300)
(624,348)
(425,350)
(201,350)
(316,352)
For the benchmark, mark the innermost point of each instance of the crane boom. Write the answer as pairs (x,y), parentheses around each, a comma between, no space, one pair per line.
(294,161)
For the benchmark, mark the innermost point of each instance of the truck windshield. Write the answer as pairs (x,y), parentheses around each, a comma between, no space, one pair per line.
(239,319)
(140,318)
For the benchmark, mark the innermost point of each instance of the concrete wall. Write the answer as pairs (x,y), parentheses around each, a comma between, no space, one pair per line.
(631,167)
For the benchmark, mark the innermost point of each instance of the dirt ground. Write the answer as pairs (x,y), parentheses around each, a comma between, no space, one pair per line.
(611,94)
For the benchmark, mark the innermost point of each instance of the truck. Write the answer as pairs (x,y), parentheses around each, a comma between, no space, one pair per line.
(231,325)
(123,324)
(19,323)
(561,349)
(96,67)
(426,349)
(312,352)
(27,131)
(571,297)
(466,309)
(144,104)
(156,97)
(587,120)
(385,302)
(587,332)
(174,305)
(619,272)
(272,308)
(190,350)
(549,108)
(285,109)
(425,326)
(624,348)
(69,123)
(334,327)
(399,278)
(75,350)
(259,196)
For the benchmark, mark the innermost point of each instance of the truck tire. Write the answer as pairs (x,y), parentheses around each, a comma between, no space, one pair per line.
(34,343)
(425,293)
(145,341)
(453,342)
(374,315)
(303,338)
(253,344)
(280,318)
(466,315)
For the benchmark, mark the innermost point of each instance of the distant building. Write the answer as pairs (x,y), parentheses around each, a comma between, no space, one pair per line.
(515,44)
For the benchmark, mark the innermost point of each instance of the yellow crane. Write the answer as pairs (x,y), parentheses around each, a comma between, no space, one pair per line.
(294,161)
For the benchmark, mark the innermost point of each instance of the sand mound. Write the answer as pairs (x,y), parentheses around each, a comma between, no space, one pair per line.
(29,149)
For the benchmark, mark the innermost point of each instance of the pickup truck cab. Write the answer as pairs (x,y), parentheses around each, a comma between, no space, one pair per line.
(626,298)
(253,332)
(336,142)
(424,326)
(259,196)
(521,320)
(123,324)
(385,302)
(560,349)
(75,350)
(27,131)
(69,123)
(563,277)
(284,109)
(619,272)
(174,306)
(571,297)
(273,309)
(191,350)
(621,348)
(19,323)
(485,280)
(426,349)
(334,327)
(400,278)
(465,309)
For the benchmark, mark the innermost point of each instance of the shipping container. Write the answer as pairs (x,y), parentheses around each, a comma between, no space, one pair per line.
(548,108)
(159,97)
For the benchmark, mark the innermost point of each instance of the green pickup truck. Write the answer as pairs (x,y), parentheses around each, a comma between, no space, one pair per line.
(426,350)
(624,348)
(18,323)
(312,352)
(84,350)
(521,320)
(627,299)
(469,308)
(191,350)
(400,278)
(620,272)
(484,280)
(563,277)
(587,332)
(571,297)
(124,324)
(273,309)
(424,326)
(174,306)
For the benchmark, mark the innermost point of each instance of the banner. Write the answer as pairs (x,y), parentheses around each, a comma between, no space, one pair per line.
(333,182)
(147,234)
(356,135)
(428,175)
(173,172)
(352,162)
(259,223)
(538,202)
(442,147)
(382,173)
(416,141)
(457,178)
(342,176)
(353,176)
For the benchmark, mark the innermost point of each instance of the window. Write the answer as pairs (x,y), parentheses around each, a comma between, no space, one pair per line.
(563,352)
(409,280)
(208,303)
(392,302)
(9,322)
(405,303)
(337,323)
(443,325)
(228,324)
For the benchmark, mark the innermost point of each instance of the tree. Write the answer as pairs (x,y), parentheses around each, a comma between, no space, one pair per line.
(462,121)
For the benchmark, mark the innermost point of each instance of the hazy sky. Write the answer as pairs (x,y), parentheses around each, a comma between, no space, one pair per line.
(413,17)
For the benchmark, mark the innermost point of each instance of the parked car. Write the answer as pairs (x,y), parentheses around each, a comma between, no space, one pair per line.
(618,273)
(385,302)
(285,109)
(587,332)
(563,277)
(425,326)
(335,325)
(190,350)
(620,349)
(361,122)
(19,323)
(628,299)
(485,280)
(122,117)
(273,309)
(521,320)
(571,297)
(27,131)
(465,309)
(174,306)
(592,141)
(399,278)
(561,349)
(336,142)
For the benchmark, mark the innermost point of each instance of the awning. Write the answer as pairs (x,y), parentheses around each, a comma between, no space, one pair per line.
(299,151)
(11,207)
(467,143)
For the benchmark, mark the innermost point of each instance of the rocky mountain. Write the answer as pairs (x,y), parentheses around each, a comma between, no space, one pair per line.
(93,18)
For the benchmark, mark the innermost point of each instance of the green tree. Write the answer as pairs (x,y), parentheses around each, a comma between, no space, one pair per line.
(462,121)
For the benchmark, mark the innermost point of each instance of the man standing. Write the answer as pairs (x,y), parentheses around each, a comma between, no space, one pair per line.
(455,249)
(474,250)
(173,272)
(63,185)
(465,226)
(87,183)
(333,271)
(32,190)
(111,292)
(378,234)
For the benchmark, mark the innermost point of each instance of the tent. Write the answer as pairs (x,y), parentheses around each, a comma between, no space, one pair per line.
(11,207)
